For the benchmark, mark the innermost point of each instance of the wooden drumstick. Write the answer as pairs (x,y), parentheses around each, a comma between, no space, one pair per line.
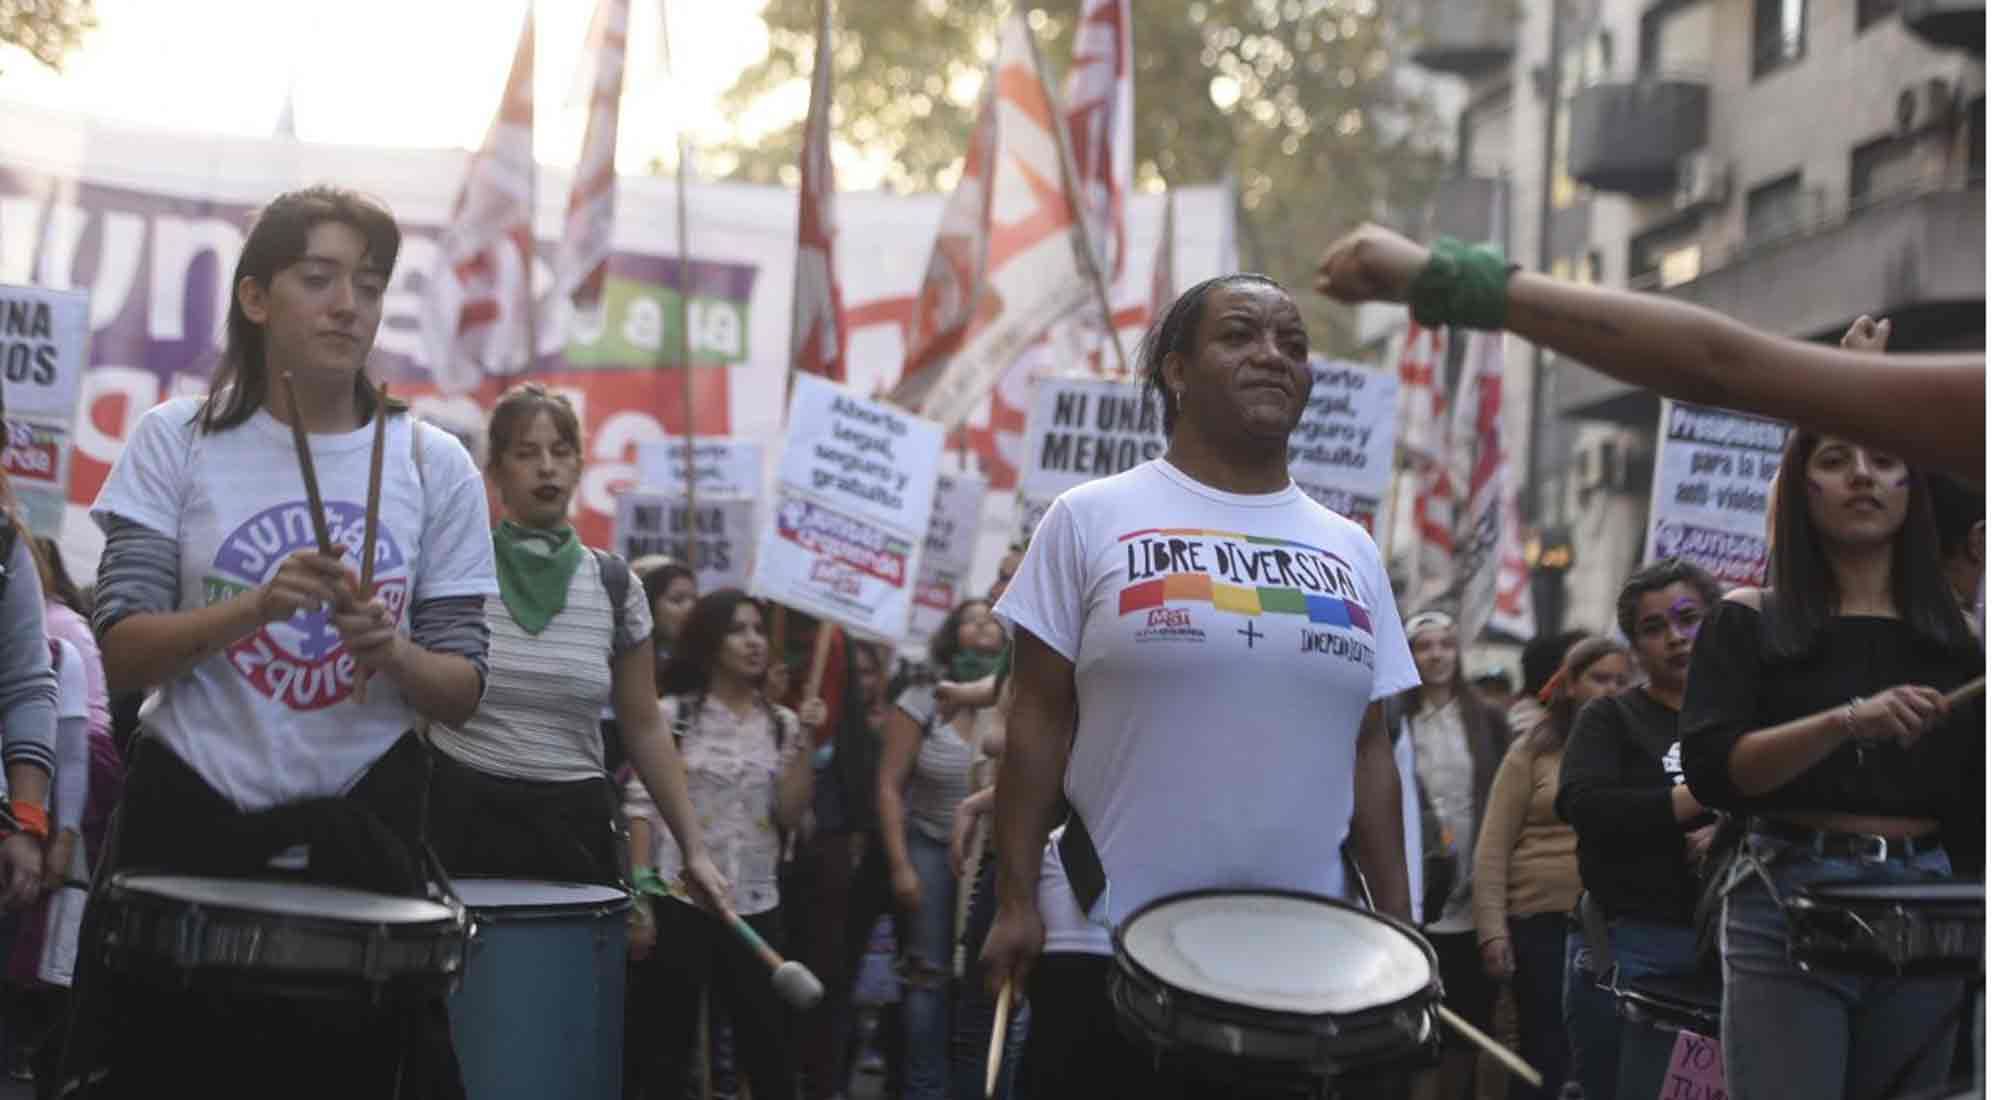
(1001,1010)
(306,472)
(1966,692)
(1487,1043)
(371,519)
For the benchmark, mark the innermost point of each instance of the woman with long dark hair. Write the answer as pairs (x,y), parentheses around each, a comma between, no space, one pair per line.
(928,754)
(1816,709)
(1524,879)
(213,593)
(749,778)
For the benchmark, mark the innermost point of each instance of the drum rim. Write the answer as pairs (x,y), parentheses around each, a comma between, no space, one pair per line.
(1964,891)
(1123,958)
(617,901)
(121,889)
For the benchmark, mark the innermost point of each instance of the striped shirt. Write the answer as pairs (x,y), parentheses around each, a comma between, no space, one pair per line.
(943,774)
(544,692)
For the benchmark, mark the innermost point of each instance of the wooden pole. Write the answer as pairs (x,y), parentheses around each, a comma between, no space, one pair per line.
(1074,192)
(687,340)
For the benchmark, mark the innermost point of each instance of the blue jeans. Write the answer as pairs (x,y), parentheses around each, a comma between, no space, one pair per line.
(972,1030)
(1590,1012)
(927,1004)
(1821,1035)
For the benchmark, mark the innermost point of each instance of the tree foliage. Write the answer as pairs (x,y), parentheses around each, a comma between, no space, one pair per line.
(1294,98)
(47,29)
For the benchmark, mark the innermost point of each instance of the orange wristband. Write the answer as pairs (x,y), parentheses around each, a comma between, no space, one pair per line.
(33,819)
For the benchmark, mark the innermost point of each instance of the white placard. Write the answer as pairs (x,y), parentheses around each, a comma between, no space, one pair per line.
(948,550)
(1081,429)
(724,466)
(725,529)
(1342,452)
(855,487)
(1711,490)
(44,345)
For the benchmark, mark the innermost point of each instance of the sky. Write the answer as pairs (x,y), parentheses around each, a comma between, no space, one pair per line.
(372,72)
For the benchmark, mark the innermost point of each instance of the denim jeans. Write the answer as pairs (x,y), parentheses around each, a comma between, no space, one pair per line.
(1820,1035)
(972,1027)
(927,1003)
(1590,1012)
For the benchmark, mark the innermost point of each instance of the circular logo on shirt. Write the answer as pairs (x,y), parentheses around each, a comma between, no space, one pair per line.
(301,661)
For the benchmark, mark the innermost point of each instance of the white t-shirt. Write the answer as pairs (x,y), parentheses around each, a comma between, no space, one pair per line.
(269,719)
(1225,647)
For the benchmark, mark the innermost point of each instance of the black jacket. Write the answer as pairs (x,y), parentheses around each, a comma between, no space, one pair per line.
(1617,793)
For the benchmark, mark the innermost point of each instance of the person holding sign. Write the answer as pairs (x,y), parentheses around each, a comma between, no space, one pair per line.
(216,592)
(1928,408)
(1200,654)
(1816,708)
(519,790)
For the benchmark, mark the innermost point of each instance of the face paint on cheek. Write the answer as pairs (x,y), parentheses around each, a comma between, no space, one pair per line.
(1685,608)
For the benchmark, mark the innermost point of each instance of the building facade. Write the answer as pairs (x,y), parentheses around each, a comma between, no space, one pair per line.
(1791,163)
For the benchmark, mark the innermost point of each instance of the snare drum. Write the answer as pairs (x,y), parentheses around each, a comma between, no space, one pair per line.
(1910,928)
(542,1010)
(1280,988)
(285,938)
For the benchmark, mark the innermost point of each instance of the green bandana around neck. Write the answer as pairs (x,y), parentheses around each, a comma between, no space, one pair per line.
(535,568)
(969,666)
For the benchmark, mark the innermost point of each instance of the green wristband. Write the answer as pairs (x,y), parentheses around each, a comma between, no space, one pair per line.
(1462,285)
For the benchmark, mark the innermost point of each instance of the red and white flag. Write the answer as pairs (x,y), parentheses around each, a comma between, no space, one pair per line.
(479,312)
(584,254)
(1097,99)
(1422,423)
(1011,256)
(819,333)
(1492,574)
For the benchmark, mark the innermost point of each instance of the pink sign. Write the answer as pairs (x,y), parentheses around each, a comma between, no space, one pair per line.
(1694,1072)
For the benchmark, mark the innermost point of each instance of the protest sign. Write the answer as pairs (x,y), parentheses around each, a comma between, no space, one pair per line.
(1081,429)
(1711,490)
(948,549)
(647,521)
(723,467)
(1342,452)
(44,344)
(1694,1070)
(855,487)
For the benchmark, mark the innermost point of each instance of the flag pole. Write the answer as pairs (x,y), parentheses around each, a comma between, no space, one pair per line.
(687,343)
(1073,191)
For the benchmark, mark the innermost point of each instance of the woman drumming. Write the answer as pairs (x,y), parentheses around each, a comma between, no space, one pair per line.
(926,770)
(1524,878)
(213,594)
(519,790)
(1815,707)
(749,777)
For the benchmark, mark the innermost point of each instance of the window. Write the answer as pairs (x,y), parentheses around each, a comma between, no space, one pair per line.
(1778,36)
(1680,265)
(1667,254)
(1593,269)
(1867,13)
(1774,210)
(1881,168)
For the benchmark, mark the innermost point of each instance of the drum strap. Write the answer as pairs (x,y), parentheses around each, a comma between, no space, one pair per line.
(1080,863)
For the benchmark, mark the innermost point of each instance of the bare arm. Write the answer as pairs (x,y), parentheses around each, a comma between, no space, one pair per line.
(900,740)
(1028,793)
(1929,409)
(638,844)
(1377,830)
(655,757)
(443,687)
(145,650)
(795,786)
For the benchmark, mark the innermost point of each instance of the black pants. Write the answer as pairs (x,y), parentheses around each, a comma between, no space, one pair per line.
(157,1036)
(694,952)
(1538,1000)
(483,824)
(868,897)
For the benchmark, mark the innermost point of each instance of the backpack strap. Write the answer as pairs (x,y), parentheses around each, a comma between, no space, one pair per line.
(616,577)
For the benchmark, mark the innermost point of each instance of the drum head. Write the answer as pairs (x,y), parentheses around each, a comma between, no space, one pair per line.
(1943,892)
(489,894)
(1277,952)
(287,899)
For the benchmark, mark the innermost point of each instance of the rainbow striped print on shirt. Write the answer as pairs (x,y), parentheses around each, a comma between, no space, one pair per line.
(1240,574)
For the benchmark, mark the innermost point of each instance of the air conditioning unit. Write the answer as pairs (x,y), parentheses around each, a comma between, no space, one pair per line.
(1700,181)
(1926,105)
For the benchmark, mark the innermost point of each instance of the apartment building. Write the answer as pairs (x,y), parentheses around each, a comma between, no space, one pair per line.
(1792,163)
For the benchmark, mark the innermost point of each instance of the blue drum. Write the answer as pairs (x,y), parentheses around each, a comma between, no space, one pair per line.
(541,1012)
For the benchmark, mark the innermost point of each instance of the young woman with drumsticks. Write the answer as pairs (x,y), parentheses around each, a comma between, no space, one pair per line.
(1524,877)
(749,778)
(227,591)
(519,790)
(1817,708)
